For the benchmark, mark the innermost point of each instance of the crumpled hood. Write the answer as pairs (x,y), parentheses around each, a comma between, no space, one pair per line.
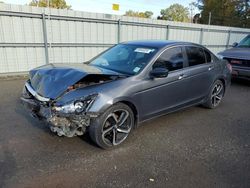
(237,52)
(52,80)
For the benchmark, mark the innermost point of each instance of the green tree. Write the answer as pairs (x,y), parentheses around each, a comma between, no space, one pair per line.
(175,12)
(225,12)
(243,10)
(59,4)
(146,14)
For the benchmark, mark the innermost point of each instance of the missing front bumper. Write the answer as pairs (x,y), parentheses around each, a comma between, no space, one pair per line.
(68,125)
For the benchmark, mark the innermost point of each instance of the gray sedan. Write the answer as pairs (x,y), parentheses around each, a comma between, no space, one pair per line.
(125,85)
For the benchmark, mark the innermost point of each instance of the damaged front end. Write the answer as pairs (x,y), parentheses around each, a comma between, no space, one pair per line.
(45,92)
(68,120)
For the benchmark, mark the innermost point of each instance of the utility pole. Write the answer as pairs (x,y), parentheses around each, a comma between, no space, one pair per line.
(191,12)
(209,18)
(49,21)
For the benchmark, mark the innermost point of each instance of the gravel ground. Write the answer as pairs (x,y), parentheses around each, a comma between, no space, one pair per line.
(195,147)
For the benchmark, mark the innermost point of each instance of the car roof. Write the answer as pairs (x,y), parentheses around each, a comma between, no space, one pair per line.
(157,43)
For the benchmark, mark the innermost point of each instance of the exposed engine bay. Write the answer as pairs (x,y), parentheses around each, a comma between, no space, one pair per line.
(93,80)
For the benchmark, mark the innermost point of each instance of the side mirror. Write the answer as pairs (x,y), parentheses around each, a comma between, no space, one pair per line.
(159,73)
(235,44)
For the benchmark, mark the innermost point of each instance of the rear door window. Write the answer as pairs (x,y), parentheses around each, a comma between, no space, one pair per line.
(195,55)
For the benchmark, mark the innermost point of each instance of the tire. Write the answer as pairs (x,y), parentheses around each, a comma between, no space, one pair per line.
(215,95)
(112,127)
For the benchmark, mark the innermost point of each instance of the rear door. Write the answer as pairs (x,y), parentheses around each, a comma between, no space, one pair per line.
(200,72)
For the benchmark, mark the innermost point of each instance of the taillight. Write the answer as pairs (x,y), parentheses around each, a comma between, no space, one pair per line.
(229,66)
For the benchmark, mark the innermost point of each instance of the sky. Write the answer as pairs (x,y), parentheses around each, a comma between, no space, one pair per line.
(105,6)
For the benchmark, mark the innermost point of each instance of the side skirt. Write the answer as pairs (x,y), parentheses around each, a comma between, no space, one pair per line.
(171,110)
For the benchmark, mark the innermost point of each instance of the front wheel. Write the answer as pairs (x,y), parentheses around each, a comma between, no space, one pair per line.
(113,126)
(216,94)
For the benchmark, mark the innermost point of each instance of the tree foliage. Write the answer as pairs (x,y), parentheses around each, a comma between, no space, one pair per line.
(243,12)
(175,12)
(225,12)
(59,4)
(146,14)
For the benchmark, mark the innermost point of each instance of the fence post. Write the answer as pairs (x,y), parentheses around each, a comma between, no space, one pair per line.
(45,39)
(119,31)
(167,32)
(201,36)
(228,38)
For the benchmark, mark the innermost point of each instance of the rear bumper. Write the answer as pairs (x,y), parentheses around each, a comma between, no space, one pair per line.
(240,72)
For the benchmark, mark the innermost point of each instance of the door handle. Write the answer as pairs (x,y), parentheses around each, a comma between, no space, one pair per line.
(210,68)
(181,76)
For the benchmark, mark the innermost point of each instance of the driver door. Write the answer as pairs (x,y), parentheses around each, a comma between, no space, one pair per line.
(164,94)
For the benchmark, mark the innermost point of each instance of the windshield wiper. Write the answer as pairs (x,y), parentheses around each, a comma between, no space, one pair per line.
(86,62)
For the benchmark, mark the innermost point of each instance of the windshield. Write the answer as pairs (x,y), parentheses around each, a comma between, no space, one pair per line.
(245,42)
(125,58)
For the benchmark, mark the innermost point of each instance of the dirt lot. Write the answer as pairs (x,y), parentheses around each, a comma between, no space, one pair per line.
(195,147)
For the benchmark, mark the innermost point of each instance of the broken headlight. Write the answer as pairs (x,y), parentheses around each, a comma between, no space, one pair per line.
(77,106)
(80,106)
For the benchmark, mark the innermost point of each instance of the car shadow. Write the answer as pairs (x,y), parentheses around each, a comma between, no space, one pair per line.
(241,81)
(86,138)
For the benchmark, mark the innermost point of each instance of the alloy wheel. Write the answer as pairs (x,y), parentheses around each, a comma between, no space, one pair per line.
(217,94)
(116,127)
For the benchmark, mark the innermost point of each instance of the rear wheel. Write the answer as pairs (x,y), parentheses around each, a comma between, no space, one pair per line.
(113,126)
(216,94)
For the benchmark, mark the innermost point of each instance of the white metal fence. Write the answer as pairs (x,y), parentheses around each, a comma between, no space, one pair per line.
(31,36)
